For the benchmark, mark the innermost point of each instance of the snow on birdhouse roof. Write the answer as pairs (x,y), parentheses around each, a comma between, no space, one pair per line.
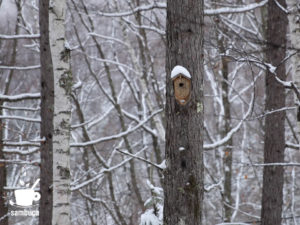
(180,70)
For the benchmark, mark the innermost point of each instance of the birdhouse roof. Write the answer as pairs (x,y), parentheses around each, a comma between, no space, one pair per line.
(180,70)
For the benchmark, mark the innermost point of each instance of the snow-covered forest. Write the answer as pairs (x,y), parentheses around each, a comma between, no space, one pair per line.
(113,83)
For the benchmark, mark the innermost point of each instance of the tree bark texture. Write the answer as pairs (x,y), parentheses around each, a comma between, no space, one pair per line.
(294,25)
(272,196)
(62,113)
(228,154)
(226,127)
(183,185)
(47,110)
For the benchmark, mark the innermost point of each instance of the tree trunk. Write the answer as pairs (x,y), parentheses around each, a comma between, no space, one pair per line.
(228,151)
(225,126)
(294,26)
(183,186)
(62,113)
(56,84)
(272,196)
(47,110)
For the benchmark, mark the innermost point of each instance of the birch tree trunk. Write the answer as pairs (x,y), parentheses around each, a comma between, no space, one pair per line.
(272,196)
(183,186)
(56,114)
(294,25)
(62,113)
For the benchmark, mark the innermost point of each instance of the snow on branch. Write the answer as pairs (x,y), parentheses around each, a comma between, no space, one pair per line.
(21,152)
(207,12)
(150,28)
(109,38)
(286,84)
(125,161)
(116,136)
(272,69)
(213,186)
(20,36)
(34,67)
(155,5)
(26,96)
(292,146)
(140,158)
(136,119)
(20,108)
(281,7)
(231,132)
(87,182)
(92,199)
(21,143)
(102,172)
(274,164)
(273,111)
(21,118)
(35,162)
(229,10)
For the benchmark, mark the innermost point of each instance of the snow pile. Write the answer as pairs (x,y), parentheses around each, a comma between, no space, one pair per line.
(181,149)
(157,191)
(271,68)
(163,165)
(154,213)
(180,70)
(149,218)
(77,85)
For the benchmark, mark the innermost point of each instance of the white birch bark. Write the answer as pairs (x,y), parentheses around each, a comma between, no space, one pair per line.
(294,25)
(62,113)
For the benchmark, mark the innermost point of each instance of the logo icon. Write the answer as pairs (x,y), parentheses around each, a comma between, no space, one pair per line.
(26,197)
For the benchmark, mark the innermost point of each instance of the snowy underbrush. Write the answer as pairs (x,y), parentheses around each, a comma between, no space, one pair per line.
(154,207)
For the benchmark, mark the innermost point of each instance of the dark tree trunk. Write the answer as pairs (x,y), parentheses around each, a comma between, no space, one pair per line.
(274,123)
(183,186)
(47,109)
(228,151)
(226,127)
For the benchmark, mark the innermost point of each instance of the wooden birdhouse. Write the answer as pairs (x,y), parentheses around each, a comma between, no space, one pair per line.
(182,84)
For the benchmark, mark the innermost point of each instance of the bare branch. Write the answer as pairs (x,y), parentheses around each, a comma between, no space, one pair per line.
(20,36)
(116,136)
(20,67)
(14,98)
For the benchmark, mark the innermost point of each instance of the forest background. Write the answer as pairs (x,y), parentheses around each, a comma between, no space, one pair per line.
(117,51)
